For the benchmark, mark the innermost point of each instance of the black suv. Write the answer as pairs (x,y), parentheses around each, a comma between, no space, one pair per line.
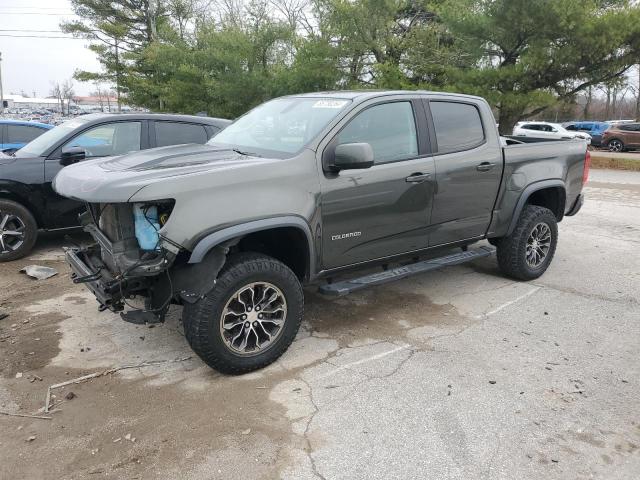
(27,202)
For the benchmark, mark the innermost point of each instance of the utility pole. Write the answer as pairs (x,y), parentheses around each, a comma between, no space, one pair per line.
(1,91)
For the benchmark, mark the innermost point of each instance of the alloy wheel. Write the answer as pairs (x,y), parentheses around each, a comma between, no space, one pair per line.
(12,232)
(615,146)
(538,245)
(253,318)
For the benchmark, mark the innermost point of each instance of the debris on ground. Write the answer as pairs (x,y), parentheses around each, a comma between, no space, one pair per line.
(9,414)
(39,272)
(31,438)
(246,432)
(70,396)
(3,315)
(19,375)
(84,378)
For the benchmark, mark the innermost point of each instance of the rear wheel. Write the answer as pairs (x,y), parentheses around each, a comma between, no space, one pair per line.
(615,145)
(18,231)
(250,318)
(528,251)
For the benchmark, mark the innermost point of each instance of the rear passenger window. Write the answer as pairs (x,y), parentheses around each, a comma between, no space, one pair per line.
(458,126)
(22,133)
(389,128)
(174,133)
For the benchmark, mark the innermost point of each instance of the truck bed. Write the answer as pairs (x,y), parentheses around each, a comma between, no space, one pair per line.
(554,163)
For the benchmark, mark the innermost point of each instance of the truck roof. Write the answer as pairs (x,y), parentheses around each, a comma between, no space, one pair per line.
(157,116)
(366,94)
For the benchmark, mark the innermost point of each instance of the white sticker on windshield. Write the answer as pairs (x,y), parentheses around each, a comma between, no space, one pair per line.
(330,103)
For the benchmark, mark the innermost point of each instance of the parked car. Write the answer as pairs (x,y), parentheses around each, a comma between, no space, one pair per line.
(614,122)
(621,137)
(595,129)
(300,190)
(27,202)
(547,131)
(14,134)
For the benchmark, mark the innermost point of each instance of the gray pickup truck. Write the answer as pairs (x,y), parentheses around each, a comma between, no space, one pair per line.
(311,189)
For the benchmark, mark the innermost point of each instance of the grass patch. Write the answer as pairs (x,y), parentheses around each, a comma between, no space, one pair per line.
(614,163)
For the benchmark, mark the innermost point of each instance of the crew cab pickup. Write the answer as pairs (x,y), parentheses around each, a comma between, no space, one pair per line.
(312,189)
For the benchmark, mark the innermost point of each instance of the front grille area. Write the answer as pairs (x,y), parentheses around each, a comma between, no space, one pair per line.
(112,226)
(116,221)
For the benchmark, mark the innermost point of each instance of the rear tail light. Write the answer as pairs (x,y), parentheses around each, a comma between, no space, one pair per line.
(587,166)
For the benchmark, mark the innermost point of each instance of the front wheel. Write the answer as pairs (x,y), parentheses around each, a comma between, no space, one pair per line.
(250,318)
(18,231)
(528,251)
(615,145)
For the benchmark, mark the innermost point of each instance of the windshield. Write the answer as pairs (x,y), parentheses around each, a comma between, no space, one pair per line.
(38,146)
(280,127)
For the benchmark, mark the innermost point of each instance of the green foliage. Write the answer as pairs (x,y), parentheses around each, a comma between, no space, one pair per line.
(523,55)
(530,53)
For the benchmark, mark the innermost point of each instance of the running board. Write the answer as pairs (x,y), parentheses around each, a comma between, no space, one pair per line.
(348,286)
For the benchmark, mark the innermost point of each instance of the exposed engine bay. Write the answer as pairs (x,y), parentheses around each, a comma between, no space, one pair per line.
(129,259)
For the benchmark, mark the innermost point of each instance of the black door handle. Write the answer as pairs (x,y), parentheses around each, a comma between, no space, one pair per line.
(418,177)
(485,166)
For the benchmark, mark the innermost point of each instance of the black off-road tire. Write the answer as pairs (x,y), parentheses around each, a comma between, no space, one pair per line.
(202,319)
(30,228)
(512,249)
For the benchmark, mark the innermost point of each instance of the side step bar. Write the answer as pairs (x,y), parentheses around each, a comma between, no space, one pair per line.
(348,286)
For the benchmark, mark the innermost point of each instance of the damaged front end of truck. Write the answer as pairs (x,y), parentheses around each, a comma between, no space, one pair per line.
(130,258)
(142,245)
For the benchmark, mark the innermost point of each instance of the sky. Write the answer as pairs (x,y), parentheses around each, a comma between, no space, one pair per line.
(32,64)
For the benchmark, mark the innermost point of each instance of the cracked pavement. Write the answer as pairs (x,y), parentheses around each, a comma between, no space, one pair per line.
(454,374)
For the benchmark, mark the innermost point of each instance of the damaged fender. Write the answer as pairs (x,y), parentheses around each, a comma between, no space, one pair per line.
(193,281)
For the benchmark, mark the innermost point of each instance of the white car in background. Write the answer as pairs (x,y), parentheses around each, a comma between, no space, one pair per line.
(548,130)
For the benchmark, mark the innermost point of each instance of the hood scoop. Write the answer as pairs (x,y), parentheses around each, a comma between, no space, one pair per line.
(176,156)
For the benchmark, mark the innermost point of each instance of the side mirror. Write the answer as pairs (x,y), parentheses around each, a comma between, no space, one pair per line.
(71,155)
(351,156)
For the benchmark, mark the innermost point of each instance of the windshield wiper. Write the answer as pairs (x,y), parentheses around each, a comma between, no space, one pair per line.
(246,154)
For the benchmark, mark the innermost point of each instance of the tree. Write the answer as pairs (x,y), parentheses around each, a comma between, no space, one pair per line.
(378,41)
(67,93)
(99,94)
(57,92)
(530,54)
(118,31)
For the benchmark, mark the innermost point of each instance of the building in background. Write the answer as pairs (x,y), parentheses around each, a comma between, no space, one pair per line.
(18,102)
(102,103)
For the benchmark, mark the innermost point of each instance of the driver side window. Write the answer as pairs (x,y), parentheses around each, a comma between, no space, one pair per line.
(389,128)
(108,139)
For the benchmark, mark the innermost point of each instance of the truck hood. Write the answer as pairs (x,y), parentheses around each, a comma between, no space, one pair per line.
(176,156)
(117,179)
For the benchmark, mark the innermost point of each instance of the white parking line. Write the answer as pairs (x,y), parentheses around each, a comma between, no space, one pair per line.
(346,366)
(511,302)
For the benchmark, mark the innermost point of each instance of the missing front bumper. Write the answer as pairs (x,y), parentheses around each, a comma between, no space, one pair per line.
(86,268)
